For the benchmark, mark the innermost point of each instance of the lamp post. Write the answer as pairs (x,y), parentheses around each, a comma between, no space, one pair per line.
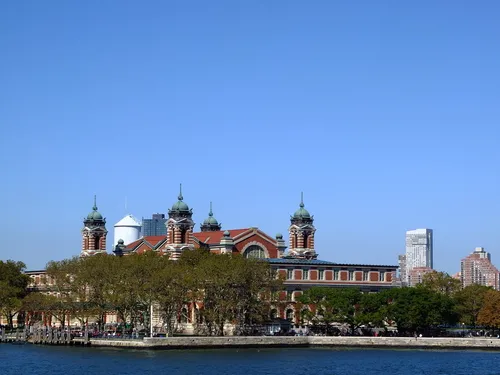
(463,329)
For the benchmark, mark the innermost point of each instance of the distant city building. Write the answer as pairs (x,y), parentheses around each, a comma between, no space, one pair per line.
(127,229)
(416,275)
(156,226)
(477,268)
(403,278)
(419,249)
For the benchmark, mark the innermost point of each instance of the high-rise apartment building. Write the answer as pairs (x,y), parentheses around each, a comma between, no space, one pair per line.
(419,249)
(402,269)
(476,268)
(156,226)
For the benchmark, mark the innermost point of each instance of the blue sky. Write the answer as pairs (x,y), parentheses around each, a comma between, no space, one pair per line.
(385,113)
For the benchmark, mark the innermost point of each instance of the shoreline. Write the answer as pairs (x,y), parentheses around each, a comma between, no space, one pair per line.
(187,343)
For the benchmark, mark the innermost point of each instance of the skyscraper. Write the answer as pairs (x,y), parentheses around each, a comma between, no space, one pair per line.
(419,249)
(154,226)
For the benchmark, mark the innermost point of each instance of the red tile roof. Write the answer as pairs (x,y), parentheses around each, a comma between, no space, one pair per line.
(134,244)
(210,238)
(154,240)
(213,238)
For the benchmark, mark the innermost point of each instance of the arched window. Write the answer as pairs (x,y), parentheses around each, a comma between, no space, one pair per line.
(289,314)
(255,251)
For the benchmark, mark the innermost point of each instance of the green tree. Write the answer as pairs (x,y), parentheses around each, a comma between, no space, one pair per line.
(419,309)
(470,300)
(440,282)
(13,285)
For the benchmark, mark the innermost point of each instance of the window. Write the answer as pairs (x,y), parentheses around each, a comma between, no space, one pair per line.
(321,274)
(288,295)
(381,276)
(255,251)
(336,275)
(289,274)
(351,275)
(305,275)
(365,275)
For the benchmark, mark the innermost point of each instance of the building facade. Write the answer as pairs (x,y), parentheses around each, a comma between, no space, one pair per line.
(416,275)
(299,267)
(419,249)
(476,268)
(156,226)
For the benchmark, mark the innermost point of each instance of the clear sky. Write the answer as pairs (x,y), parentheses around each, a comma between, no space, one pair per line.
(385,113)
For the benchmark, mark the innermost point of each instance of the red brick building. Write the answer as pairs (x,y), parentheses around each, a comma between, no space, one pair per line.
(299,267)
(476,268)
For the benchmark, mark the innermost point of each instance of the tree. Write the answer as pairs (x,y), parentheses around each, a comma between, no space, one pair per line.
(488,315)
(13,284)
(60,282)
(440,282)
(419,309)
(470,301)
(33,305)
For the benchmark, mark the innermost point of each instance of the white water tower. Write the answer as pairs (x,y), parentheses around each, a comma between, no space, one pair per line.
(128,229)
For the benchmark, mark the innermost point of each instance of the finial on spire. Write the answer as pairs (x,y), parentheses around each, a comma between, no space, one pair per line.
(301,199)
(95,203)
(210,213)
(180,197)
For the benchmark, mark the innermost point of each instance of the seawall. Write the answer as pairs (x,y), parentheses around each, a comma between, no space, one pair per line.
(301,341)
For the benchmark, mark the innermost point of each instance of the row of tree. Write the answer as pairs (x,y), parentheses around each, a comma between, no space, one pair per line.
(224,288)
(439,301)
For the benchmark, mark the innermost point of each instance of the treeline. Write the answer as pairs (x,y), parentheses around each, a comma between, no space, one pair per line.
(439,301)
(229,289)
(224,288)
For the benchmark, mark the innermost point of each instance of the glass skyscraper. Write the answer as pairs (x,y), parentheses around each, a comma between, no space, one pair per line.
(154,226)
(419,249)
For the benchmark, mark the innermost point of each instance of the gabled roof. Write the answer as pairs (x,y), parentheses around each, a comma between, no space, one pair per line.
(151,241)
(154,240)
(214,238)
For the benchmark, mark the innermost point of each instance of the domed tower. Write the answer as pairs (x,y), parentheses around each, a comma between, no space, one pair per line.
(301,232)
(210,224)
(179,228)
(94,233)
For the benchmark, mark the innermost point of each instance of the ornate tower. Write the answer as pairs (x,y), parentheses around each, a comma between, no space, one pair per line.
(301,232)
(210,224)
(94,233)
(179,228)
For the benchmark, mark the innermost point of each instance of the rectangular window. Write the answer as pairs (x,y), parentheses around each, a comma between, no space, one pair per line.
(288,295)
(351,275)
(365,275)
(321,274)
(289,274)
(305,275)
(336,275)
(381,276)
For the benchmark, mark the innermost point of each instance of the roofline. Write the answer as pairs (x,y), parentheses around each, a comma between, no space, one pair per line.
(327,263)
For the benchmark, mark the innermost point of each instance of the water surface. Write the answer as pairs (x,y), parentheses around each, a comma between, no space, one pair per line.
(41,360)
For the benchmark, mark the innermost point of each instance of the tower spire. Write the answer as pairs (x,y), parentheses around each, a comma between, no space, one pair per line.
(301,199)
(95,203)
(210,213)
(180,197)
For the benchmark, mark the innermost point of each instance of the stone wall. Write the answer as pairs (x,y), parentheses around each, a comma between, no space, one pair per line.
(302,341)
